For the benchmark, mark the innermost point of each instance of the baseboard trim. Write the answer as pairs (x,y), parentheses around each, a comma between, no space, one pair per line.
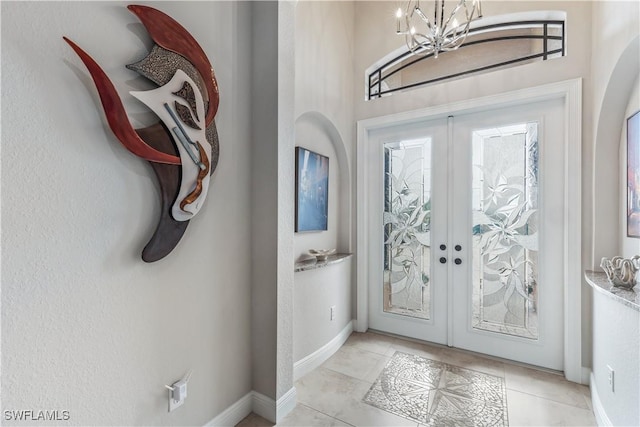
(258,403)
(286,404)
(234,413)
(318,357)
(586,376)
(264,406)
(598,410)
(268,408)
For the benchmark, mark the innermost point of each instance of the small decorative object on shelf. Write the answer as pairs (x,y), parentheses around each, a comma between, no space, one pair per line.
(305,260)
(322,254)
(309,262)
(621,272)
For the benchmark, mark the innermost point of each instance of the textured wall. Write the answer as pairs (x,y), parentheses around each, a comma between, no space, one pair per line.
(616,343)
(86,325)
(324,100)
(286,131)
(272,197)
(316,291)
(630,246)
(264,196)
(615,65)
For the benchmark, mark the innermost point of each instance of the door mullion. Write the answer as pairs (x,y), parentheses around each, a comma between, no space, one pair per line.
(450,244)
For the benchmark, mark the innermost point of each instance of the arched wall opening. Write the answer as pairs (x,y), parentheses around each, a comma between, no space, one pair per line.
(323,297)
(317,133)
(606,160)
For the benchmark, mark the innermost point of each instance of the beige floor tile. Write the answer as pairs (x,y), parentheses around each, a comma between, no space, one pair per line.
(411,347)
(471,361)
(304,416)
(528,410)
(340,396)
(333,393)
(254,420)
(546,385)
(357,363)
(370,341)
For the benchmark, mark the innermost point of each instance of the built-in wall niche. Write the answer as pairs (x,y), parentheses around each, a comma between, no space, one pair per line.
(619,101)
(629,177)
(318,136)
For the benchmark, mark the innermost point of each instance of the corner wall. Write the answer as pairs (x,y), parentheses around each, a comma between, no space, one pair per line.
(324,99)
(615,66)
(272,134)
(86,325)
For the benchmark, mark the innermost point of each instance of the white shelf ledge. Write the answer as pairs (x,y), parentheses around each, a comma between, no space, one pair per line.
(600,283)
(332,259)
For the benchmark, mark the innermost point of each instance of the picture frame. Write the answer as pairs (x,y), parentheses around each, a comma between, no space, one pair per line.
(633,175)
(312,191)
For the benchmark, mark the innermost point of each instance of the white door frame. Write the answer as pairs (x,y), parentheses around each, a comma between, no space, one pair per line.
(571,92)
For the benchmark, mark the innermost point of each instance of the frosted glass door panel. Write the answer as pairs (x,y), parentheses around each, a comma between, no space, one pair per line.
(505,229)
(407,223)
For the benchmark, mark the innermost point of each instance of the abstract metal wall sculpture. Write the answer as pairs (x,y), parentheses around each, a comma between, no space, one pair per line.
(183,147)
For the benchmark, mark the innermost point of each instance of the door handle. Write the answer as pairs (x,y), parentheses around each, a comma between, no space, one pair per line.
(443,260)
(458,261)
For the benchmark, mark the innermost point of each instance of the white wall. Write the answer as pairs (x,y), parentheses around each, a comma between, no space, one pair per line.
(272,131)
(616,343)
(264,197)
(324,99)
(286,135)
(316,292)
(615,67)
(86,325)
(630,246)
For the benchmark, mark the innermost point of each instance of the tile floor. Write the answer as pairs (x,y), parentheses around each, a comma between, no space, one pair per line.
(332,394)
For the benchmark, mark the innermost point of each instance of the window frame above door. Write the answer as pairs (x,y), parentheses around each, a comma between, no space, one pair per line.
(571,92)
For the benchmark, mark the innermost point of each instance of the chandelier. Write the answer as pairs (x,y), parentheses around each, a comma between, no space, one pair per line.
(437,30)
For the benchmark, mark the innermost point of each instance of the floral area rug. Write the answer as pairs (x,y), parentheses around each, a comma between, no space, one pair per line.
(437,394)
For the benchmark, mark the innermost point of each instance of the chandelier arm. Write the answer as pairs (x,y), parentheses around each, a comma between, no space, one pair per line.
(428,40)
(439,37)
(423,17)
(464,30)
(462,35)
(455,10)
(420,48)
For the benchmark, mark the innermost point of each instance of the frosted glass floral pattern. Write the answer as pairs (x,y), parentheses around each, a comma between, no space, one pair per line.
(407,221)
(505,230)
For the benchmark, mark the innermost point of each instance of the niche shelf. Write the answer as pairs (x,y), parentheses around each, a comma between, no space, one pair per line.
(331,260)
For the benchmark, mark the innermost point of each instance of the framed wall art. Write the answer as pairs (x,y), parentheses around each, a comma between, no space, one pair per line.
(312,191)
(633,175)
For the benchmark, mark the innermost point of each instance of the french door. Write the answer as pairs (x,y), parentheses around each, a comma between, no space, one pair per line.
(465,223)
